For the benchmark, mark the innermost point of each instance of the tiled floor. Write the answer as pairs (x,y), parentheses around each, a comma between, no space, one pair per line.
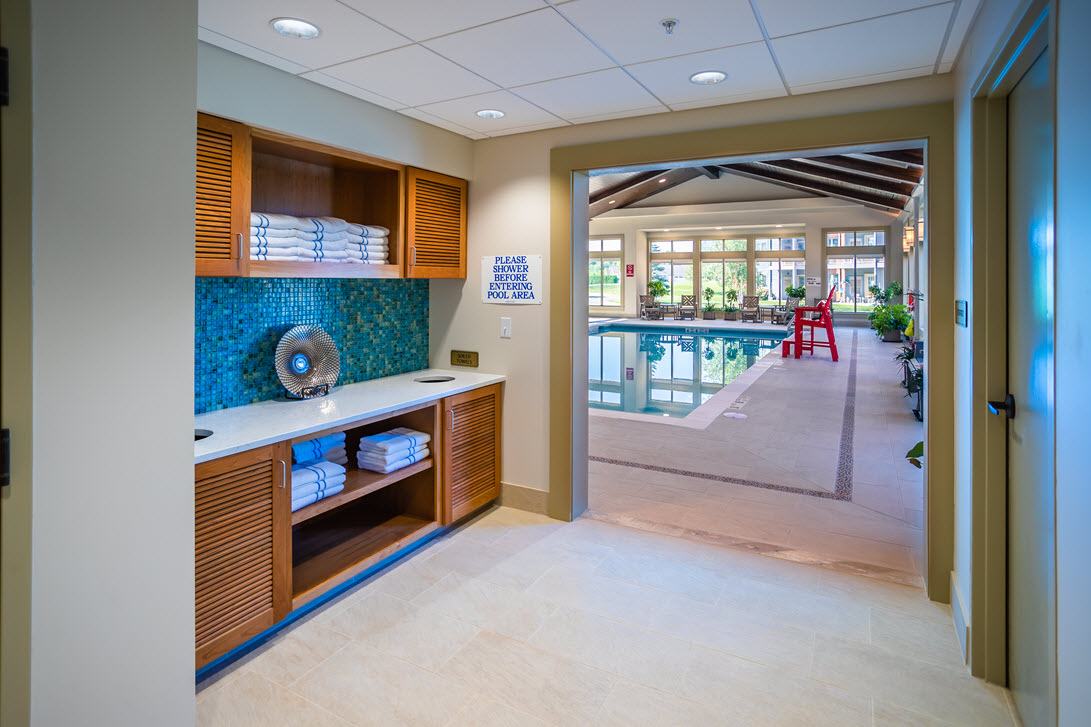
(812,474)
(519,620)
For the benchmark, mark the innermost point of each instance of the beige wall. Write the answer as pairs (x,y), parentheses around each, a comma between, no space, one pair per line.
(509,212)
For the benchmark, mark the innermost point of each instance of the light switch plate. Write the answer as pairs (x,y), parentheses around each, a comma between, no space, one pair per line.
(505,327)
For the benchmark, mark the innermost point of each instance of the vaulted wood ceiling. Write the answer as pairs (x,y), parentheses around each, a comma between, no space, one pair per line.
(882,180)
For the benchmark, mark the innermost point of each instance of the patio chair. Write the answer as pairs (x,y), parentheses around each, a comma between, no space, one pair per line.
(646,302)
(803,322)
(784,313)
(687,309)
(750,308)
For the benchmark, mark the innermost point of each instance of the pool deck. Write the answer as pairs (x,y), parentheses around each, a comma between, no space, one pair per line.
(716,325)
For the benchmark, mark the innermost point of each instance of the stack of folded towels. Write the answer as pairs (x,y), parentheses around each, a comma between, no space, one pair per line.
(330,448)
(315,239)
(314,481)
(392,450)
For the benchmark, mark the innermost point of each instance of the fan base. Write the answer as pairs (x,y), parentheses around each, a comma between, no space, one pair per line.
(311,392)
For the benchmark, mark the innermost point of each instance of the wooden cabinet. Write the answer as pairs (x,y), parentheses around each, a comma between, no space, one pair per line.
(243,566)
(471,451)
(435,225)
(223,197)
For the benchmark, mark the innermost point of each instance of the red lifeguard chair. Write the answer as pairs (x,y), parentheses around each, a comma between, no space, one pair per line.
(824,320)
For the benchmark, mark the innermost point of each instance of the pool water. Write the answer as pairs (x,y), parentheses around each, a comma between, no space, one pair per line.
(668,371)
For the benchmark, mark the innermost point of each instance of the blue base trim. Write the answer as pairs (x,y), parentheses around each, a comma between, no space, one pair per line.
(243,649)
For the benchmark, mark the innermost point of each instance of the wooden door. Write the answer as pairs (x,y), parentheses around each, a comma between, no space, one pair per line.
(1032,585)
(471,451)
(435,225)
(243,567)
(223,197)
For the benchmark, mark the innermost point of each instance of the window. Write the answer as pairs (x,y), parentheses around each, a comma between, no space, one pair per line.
(774,276)
(781,243)
(677,275)
(869,238)
(723,245)
(604,278)
(850,276)
(723,276)
(672,246)
(604,368)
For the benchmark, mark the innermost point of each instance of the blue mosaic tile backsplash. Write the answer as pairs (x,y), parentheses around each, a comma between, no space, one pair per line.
(380,326)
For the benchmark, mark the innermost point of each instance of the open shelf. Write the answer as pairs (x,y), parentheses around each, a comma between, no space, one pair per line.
(274,269)
(358,483)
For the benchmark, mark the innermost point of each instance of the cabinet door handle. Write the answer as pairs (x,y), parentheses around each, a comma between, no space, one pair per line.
(283,474)
(238,246)
(451,419)
(413,255)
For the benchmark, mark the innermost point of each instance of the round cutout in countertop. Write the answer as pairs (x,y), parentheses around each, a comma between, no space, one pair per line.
(199,434)
(433,379)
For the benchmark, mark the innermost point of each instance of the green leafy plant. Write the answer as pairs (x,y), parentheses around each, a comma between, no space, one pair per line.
(887,317)
(731,295)
(657,288)
(894,290)
(732,309)
(795,291)
(907,353)
(914,381)
(709,295)
(916,454)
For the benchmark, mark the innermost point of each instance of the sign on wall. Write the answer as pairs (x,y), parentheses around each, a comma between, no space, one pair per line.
(814,280)
(511,279)
(630,271)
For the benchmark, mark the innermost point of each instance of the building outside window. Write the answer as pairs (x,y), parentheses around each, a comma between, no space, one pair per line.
(672,264)
(858,263)
(604,272)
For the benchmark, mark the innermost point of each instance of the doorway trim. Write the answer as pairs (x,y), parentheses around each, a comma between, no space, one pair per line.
(1029,33)
(568,181)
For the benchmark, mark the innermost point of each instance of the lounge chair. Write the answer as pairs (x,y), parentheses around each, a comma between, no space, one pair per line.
(646,302)
(750,308)
(784,313)
(687,309)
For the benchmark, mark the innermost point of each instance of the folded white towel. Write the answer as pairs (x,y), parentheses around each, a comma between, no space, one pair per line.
(366,240)
(368,230)
(313,449)
(379,465)
(390,457)
(358,261)
(301,490)
(264,219)
(306,473)
(282,258)
(393,440)
(315,497)
(374,247)
(273,232)
(275,253)
(322,224)
(331,236)
(379,257)
(285,242)
(333,453)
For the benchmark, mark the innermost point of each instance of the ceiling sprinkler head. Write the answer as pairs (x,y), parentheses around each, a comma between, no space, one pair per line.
(668,25)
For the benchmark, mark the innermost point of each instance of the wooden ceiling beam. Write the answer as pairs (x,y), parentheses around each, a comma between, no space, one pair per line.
(875,169)
(621,187)
(904,189)
(785,179)
(647,188)
(905,156)
(711,172)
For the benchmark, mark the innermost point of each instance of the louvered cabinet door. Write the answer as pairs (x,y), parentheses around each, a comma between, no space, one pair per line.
(471,451)
(243,540)
(435,228)
(223,197)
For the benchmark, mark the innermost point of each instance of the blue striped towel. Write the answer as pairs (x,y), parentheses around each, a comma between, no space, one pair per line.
(283,222)
(313,449)
(306,473)
(393,440)
(379,465)
(298,492)
(315,497)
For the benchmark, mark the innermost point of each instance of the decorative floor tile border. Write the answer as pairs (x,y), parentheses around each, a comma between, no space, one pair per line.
(842,482)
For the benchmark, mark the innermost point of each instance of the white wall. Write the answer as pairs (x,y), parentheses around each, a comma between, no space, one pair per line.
(509,213)
(114,93)
(242,89)
(1073,353)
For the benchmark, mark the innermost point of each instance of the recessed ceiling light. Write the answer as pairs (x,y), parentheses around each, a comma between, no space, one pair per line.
(705,78)
(665,230)
(295,28)
(662,180)
(780,225)
(490,114)
(613,201)
(719,228)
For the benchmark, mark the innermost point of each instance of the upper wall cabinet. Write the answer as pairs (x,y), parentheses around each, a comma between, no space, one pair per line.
(242,169)
(435,225)
(223,196)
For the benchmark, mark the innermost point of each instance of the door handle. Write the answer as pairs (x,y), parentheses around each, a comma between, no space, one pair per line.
(283,474)
(451,419)
(1007,407)
(238,247)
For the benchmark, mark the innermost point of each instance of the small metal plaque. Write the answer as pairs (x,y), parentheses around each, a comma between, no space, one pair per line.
(464,358)
(962,313)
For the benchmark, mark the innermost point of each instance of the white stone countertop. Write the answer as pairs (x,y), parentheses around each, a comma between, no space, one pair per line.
(266,422)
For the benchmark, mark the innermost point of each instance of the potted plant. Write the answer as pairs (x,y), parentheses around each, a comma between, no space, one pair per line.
(657,288)
(889,320)
(731,311)
(795,291)
(710,310)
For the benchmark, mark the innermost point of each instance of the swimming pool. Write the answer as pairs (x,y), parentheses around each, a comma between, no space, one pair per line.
(667,371)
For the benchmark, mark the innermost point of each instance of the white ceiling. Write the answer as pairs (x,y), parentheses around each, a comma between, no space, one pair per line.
(549,63)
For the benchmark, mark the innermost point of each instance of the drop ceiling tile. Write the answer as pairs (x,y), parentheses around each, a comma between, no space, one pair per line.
(243,49)
(413,75)
(737,98)
(963,17)
(346,34)
(532,127)
(463,111)
(424,19)
(784,17)
(864,80)
(946,67)
(621,115)
(590,94)
(526,49)
(749,70)
(881,45)
(441,123)
(347,88)
(629,30)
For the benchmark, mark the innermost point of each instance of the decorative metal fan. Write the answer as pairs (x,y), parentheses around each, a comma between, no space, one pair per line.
(307,362)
